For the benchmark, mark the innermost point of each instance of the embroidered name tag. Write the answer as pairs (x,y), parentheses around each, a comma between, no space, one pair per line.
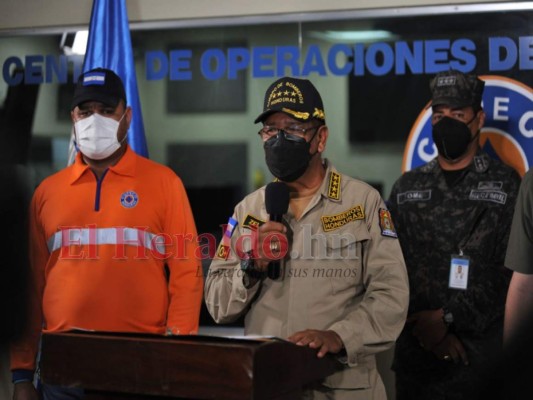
(488,195)
(332,222)
(252,222)
(414,195)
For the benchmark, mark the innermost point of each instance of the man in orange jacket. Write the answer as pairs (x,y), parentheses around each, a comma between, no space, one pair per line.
(112,238)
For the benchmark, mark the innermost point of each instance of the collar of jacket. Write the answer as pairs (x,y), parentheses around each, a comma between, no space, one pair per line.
(125,166)
(480,163)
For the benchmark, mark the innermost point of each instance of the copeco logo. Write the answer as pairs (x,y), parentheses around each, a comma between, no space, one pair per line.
(507,134)
(129,199)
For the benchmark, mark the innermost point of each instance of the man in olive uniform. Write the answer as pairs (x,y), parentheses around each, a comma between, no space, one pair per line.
(343,285)
(519,258)
(453,213)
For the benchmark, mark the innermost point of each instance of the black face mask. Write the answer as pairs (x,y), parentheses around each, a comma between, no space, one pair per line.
(287,156)
(452,137)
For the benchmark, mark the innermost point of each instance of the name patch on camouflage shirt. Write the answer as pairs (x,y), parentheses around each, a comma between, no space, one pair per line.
(332,222)
(490,185)
(414,195)
(488,195)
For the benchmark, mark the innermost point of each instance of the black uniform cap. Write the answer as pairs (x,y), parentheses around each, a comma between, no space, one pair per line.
(295,97)
(101,85)
(457,90)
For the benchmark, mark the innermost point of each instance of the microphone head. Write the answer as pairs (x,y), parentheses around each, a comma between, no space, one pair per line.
(277,198)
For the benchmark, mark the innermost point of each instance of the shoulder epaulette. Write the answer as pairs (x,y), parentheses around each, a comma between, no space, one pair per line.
(334,187)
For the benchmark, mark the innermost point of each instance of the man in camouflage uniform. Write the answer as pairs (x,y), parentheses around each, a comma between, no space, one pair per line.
(453,214)
(343,285)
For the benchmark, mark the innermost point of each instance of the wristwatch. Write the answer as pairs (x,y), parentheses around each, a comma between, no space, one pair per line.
(447,316)
(250,274)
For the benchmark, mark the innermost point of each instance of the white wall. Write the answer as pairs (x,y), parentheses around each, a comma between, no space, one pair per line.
(35,14)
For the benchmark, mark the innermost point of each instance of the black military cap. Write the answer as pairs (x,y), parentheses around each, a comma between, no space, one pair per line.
(455,89)
(295,97)
(101,85)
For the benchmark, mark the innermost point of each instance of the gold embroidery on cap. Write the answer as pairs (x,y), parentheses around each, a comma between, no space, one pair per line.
(319,114)
(289,94)
(274,93)
(334,188)
(296,114)
(332,222)
(296,92)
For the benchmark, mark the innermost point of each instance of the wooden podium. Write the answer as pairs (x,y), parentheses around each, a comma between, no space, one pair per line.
(126,366)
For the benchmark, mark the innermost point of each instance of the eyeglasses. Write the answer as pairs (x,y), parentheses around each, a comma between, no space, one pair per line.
(270,131)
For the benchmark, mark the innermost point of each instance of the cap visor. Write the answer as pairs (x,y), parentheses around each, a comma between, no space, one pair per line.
(264,116)
(451,102)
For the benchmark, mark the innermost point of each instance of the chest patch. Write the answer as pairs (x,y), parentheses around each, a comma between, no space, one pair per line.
(252,222)
(129,199)
(414,195)
(490,185)
(332,222)
(494,196)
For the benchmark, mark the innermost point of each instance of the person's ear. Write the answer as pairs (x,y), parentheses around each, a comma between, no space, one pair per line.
(481,116)
(128,116)
(322,134)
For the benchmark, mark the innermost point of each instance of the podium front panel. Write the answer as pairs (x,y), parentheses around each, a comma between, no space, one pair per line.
(190,367)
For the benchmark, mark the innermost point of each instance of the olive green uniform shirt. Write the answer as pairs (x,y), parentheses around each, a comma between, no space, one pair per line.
(519,255)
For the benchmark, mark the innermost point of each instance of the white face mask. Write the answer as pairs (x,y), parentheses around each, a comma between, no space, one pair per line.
(97,136)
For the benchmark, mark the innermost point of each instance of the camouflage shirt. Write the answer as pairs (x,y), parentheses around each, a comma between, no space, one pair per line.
(435,221)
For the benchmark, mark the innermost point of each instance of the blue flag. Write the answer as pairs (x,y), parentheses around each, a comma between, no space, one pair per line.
(109,46)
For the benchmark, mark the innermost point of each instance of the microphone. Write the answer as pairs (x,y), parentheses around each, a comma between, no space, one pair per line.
(277,204)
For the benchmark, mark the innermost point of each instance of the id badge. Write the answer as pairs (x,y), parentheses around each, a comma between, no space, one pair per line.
(459,272)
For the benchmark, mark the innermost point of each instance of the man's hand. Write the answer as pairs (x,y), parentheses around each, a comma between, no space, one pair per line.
(451,349)
(429,327)
(25,391)
(325,341)
(270,232)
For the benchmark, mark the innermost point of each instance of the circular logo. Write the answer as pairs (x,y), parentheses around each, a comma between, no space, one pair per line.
(129,199)
(507,134)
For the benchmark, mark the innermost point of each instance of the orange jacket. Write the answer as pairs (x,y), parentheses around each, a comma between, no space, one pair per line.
(114,255)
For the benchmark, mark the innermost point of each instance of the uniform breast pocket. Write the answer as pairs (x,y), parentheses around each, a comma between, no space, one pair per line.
(343,262)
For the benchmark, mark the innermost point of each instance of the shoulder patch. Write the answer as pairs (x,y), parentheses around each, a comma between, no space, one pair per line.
(230,227)
(222,251)
(334,187)
(430,166)
(332,222)
(481,163)
(385,223)
(252,222)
